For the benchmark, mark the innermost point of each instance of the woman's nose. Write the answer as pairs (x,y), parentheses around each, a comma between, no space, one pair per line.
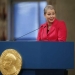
(51,15)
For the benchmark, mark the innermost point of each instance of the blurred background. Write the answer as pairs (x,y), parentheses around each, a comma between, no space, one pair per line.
(19,17)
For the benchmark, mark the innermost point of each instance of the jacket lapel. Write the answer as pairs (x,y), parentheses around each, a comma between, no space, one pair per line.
(52,27)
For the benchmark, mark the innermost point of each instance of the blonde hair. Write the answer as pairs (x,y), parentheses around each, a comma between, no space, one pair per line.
(48,7)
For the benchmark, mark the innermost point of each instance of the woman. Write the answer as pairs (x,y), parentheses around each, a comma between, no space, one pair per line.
(53,29)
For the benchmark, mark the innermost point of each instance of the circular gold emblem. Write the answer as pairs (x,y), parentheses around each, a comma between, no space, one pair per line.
(11,62)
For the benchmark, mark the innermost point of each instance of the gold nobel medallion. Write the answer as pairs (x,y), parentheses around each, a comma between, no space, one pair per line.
(11,62)
(0,63)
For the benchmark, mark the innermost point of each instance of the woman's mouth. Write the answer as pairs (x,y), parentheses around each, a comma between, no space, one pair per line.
(51,19)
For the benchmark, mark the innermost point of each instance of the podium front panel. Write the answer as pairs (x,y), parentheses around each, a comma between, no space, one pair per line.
(43,55)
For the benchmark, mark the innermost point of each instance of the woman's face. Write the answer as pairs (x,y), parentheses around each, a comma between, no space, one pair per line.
(50,15)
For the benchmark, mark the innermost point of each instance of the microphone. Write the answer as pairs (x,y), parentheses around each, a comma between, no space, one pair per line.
(45,26)
(29,32)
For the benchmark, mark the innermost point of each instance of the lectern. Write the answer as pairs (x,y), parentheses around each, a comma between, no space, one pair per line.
(42,55)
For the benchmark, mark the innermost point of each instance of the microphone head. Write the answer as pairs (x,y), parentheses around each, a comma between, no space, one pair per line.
(45,26)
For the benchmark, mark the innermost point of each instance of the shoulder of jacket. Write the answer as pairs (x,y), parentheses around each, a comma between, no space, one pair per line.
(61,24)
(61,21)
(43,25)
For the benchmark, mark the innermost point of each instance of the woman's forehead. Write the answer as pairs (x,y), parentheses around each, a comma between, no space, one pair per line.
(50,10)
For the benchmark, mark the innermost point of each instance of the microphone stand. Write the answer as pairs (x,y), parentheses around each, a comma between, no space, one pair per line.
(27,33)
